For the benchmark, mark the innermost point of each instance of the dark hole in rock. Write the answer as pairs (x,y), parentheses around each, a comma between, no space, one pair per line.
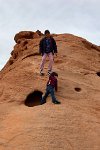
(34,98)
(98,74)
(77,89)
(25,42)
(11,62)
(25,47)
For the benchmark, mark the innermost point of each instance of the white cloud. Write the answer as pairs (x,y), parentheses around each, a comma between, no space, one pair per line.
(79,17)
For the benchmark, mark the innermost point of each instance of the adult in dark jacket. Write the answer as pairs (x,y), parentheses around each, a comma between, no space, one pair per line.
(47,47)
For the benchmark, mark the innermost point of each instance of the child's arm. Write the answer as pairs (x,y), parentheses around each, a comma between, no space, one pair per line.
(56,86)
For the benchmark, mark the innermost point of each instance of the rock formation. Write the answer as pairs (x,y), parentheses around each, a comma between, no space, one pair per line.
(73,125)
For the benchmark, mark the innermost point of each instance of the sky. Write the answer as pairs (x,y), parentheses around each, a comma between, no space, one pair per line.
(78,17)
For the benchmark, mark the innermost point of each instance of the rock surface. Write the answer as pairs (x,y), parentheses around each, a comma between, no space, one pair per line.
(73,125)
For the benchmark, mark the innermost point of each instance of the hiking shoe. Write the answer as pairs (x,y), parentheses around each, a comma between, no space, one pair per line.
(49,72)
(57,102)
(41,73)
(43,102)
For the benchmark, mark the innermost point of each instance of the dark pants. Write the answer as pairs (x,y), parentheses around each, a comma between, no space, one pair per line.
(49,90)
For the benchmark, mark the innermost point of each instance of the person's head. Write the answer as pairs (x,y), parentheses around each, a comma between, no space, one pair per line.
(47,33)
(54,74)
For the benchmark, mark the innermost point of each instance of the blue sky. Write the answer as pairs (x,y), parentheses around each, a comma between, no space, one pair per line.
(78,17)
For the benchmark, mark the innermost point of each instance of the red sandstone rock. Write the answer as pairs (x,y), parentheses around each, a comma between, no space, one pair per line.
(26,35)
(73,125)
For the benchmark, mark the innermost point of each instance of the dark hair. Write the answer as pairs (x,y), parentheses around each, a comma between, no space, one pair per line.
(54,74)
(46,31)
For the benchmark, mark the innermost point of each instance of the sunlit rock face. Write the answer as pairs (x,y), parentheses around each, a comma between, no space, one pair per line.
(75,123)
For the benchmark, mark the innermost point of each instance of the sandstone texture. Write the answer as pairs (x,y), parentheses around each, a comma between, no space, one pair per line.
(73,125)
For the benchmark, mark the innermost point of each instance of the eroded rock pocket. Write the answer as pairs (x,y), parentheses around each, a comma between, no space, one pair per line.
(77,89)
(98,73)
(33,98)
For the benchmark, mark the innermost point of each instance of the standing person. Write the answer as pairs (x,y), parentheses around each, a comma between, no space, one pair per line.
(51,85)
(47,47)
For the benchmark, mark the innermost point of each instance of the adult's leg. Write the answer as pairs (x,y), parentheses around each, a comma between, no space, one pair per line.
(43,62)
(51,61)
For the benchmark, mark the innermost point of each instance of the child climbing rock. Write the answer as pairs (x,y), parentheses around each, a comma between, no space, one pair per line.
(51,85)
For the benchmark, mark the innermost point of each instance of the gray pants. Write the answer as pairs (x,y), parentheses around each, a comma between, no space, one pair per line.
(50,55)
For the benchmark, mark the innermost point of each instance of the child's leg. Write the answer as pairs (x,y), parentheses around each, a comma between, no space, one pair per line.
(54,100)
(43,61)
(51,61)
(43,100)
(52,95)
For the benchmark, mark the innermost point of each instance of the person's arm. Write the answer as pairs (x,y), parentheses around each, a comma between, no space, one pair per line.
(56,85)
(54,46)
(41,47)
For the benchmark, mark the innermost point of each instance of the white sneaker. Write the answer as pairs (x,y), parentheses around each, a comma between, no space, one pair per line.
(49,72)
(41,73)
